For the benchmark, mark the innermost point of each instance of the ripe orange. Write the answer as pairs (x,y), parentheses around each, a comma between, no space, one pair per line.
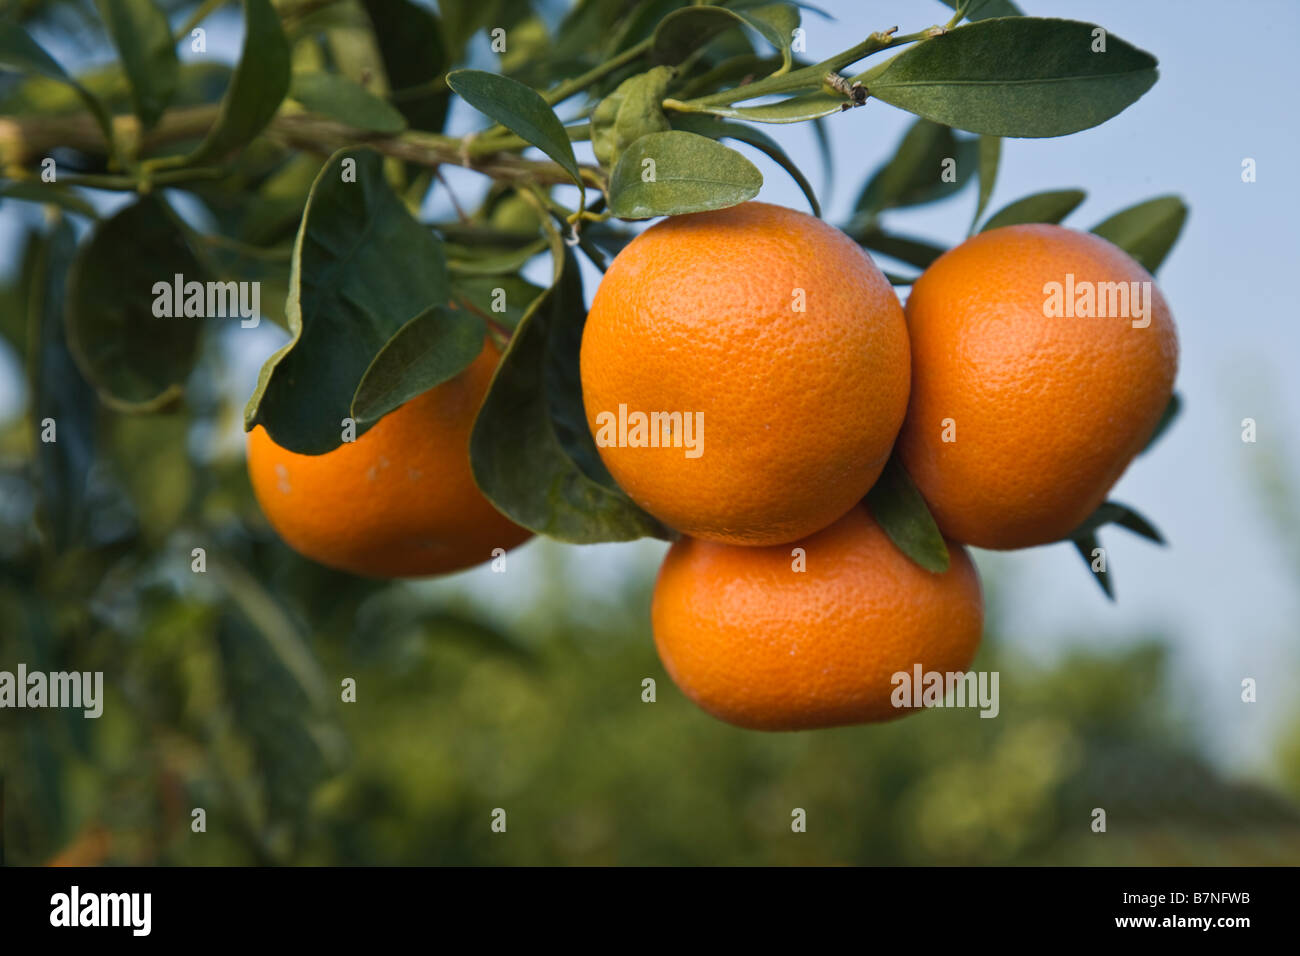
(760,645)
(400,501)
(700,316)
(1045,413)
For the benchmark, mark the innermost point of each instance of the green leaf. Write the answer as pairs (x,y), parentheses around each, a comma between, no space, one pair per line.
(684,31)
(434,347)
(988,9)
(1171,412)
(136,360)
(1017,76)
(520,110)
(487,262)
(687,173)
(505,298)
(794,109)
(531,432)
(58,392)
(628,113)
(350,103)
(1085,544)
(20,52)
(257,88)
(414,53)
(990,150)
(916,173)
(900,510)
(915,252)
(143,39)
(1146,231)
(1052,206)
(362,269)
(716,128)
(52,193)
(1112,512)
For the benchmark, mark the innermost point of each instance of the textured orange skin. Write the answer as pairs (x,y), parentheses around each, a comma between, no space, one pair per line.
(800,408)
(1048,411)
(400,501)
(762,646)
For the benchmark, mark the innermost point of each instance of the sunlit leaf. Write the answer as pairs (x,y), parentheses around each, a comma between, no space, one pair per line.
(1017,76)
(1050,207)
(1146,231)
(667,174)
(520,110)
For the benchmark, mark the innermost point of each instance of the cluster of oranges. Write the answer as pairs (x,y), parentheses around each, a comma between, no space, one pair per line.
(783,604)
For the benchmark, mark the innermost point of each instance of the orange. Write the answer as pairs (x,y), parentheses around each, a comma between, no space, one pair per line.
(400,501)
(761,645)
(1043,413)
(777,336)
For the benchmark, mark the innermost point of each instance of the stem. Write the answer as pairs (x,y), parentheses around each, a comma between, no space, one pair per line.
(24,140)
(805,78)
(580,83)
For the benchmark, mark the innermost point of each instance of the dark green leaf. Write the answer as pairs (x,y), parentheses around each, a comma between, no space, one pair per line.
(990,150)
(520,110)
(1085,544)
(434,347)
(1017,76)
(1146,231)
(256,90)
(988,9)
(1112,512)
(504,298)
(531,433)
(917,173)
(350,103)
(362,269)
(143,40)
(1050,206)
(58,393)
(1171,412)
(684,31)
(414,53)
(136,359)
(715,128)
(667,174)
(901,511)
(915,252)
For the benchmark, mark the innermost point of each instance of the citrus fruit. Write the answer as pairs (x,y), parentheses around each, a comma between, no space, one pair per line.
(776,342)
(761,645)
(400,501)
(1026,404)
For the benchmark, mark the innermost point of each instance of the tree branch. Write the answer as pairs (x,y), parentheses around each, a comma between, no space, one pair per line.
(25,140)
